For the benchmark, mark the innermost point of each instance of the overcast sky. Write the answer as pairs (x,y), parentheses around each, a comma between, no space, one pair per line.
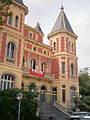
(78,13)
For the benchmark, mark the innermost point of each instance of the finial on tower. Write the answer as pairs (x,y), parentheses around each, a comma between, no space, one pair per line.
(62,8)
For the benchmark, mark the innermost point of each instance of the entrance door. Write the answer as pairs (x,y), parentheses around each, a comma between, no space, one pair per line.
(54,96)
(42,94)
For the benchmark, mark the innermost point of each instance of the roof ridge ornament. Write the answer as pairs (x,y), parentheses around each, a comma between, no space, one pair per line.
(62,8)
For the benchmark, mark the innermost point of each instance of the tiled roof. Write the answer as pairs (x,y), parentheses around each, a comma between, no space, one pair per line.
(62,23)
(20,2)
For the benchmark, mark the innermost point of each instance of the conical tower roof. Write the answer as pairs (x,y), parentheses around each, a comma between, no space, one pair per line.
(20,2)
(62,23)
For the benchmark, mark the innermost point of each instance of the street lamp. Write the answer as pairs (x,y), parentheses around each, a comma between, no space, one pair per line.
(19,98)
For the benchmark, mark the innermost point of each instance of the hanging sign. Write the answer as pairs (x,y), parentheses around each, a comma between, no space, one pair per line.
(37,73)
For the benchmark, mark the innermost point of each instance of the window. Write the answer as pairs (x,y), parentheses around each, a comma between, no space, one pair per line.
(10,20)
(33,64)
(22,86)
(34,48)
(10,50)
(72,69)
(69,45)
(30,35)
(54,46)
(7,81)
(72,95)
(16,21)
(43,67)
(72,48)
(44,52)
(63,95)
(23,61)
(63,86)
(63,67)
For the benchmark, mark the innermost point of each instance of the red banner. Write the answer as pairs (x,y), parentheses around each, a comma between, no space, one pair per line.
(37,73)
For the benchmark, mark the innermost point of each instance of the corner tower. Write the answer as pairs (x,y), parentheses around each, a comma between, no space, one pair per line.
(11,46)
(62,39)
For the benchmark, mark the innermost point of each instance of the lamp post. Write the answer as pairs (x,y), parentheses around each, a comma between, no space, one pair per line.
(19,98)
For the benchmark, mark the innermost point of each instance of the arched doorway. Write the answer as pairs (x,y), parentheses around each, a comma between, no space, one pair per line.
(42,94)
(54,96)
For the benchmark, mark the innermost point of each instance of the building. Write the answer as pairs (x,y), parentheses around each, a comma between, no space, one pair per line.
(25,59)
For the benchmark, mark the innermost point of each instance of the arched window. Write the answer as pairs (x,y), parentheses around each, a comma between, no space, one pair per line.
(54,44)
(10,50)
(33,64)
(69,45)
(23,61)
(22,86)
(16,21)
(10,20)
(72,69)
(43,67)
(43,87)
(72,48)
(7,81)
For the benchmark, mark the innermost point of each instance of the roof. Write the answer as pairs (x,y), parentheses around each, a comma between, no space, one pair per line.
(62,23)
(20,2)
(39,28)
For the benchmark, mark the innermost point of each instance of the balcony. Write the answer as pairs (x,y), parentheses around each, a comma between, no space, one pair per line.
(48,76)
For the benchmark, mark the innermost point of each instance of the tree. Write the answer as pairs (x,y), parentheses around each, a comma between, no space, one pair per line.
(4,7)
(9,105)
(84,82)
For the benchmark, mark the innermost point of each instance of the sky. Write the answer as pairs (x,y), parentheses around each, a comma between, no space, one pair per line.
(78,13)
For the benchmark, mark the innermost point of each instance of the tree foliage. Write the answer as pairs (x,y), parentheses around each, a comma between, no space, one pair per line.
(4,7)
(84,82)
(9,105)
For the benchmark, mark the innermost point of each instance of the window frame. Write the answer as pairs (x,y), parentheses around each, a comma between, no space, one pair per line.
(72,70)
(72,47)
(33,64)
(30,35)
(10,20)
(16,21)
(5,79)
(54,46)
(9,51)
(43,64)
(63,68)
(69,44)
(63,93)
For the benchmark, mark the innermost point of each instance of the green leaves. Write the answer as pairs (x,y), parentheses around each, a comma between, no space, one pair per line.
(84,82)
(4,7)
(9,105)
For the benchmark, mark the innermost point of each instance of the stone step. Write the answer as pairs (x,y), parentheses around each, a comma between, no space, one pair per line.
(47,110)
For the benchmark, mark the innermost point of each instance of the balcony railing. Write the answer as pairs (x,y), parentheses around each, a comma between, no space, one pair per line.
(26,71)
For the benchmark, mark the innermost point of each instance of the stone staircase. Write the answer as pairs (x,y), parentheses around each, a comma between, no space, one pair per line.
(47,110)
